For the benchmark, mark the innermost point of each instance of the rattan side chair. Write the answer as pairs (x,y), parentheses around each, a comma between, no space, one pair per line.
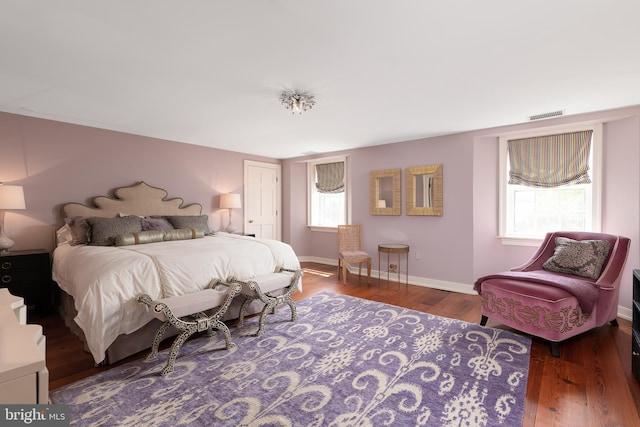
(350,250)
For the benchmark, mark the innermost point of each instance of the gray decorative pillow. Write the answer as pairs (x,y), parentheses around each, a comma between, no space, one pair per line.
(198,222)
(105,230)
(153,223)
(578,257)
(140,238)
(183,234)
(79,230)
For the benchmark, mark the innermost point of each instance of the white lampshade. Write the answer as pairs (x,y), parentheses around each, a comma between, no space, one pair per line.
(11,197)
(230,201)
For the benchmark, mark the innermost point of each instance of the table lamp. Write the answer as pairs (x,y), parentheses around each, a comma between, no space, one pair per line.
(230,201)
(11,197)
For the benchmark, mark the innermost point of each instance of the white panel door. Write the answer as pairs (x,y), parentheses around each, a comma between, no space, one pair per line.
(262,199)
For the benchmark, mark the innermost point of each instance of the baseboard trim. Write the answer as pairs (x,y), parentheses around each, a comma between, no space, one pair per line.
(462,288)
(319,260)
(625,313)
(413,280)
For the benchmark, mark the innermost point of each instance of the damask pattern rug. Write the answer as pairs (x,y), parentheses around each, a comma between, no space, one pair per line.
(345,362)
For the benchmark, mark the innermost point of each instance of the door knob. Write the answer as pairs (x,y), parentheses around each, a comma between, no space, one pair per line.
(250,221)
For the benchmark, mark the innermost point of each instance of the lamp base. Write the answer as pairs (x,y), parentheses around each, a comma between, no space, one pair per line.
(5,243)
(231,229)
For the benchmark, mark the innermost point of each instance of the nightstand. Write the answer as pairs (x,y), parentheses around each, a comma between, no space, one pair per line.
(28,274)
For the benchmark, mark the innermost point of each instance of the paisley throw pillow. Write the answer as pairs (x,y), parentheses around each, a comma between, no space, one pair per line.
(578,257)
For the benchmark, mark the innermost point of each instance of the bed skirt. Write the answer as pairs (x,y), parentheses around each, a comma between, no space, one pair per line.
(129,344)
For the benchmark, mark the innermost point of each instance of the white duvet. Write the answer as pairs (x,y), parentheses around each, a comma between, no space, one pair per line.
(106,281)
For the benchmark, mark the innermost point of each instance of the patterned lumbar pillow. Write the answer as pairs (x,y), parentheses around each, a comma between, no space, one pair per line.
(183,234)
(197,222)
(153,236)
(578,257)
(148,236)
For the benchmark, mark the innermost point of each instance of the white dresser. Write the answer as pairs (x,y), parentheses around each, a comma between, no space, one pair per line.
(24,377)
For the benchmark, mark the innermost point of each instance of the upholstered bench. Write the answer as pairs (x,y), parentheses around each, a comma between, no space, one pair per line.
(265,288)
(187,314)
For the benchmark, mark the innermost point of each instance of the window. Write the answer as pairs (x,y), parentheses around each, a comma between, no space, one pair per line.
(550,180)
(328,192)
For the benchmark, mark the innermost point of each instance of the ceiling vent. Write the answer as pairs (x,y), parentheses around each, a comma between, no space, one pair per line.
(546,115)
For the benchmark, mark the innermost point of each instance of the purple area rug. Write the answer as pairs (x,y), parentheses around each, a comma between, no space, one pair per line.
(344,362)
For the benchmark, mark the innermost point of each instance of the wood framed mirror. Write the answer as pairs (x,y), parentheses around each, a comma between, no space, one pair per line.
(424,190)
(384,192)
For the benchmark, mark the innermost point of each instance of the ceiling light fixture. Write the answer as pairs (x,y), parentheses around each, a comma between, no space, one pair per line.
(296,101)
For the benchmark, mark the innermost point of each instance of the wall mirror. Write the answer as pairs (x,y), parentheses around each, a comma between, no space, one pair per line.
(424,190)
(384,192)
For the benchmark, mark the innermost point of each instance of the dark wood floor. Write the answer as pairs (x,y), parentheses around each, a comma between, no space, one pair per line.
(590,384)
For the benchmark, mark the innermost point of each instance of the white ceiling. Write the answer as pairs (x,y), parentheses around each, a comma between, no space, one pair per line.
(210,72)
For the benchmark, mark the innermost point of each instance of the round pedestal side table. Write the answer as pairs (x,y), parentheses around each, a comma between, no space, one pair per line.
(399,250)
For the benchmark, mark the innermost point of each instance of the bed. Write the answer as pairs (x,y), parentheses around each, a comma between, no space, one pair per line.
(142,242)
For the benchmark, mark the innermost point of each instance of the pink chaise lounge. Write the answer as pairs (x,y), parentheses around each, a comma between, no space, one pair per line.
(562,291)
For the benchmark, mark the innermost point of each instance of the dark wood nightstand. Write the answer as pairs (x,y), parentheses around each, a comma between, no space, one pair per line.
(28,274)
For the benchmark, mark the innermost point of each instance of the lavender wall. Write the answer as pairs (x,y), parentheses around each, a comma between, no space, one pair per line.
(424,234)
(59,163)
(462,245)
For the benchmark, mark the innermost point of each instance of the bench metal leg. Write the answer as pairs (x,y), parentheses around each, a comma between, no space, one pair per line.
(188,325)
(175,348)
(157,339)
(271,302)
(220,326)
(243,309)
(270,307)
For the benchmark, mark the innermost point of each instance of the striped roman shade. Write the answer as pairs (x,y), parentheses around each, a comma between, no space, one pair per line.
(550,161)
(330,177)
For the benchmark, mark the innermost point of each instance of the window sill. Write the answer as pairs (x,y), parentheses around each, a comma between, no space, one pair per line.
(521,241)
(323,229)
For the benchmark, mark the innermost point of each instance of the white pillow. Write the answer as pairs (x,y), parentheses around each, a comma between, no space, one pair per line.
(63,235)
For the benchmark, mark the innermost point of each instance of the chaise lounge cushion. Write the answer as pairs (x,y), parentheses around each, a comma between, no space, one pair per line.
(584,290)
(528,290)
(534,309)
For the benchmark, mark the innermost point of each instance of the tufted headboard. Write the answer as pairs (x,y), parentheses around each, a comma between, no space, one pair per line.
(138,199)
